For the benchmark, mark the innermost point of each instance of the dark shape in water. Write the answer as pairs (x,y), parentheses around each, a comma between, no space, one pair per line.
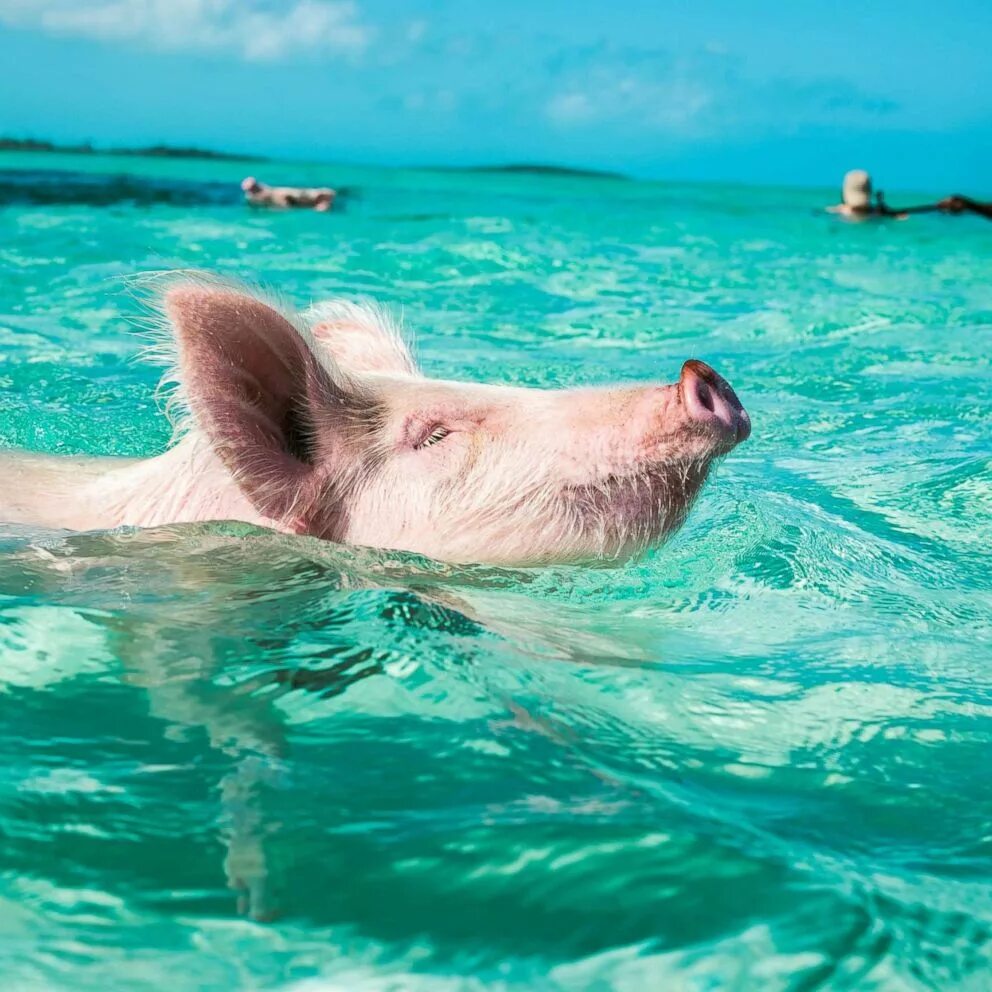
(40,187)
(45,186)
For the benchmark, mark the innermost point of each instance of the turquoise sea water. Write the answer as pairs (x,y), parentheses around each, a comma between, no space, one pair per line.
(759,758)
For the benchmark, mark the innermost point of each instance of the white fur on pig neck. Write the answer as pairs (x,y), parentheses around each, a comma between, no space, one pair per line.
(188,483)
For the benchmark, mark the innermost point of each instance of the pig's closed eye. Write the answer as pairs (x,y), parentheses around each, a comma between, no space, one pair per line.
(438,433)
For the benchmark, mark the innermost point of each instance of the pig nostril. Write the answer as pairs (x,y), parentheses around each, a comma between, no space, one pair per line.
(709,400)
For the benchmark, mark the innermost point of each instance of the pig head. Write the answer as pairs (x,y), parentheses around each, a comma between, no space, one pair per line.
(327,427)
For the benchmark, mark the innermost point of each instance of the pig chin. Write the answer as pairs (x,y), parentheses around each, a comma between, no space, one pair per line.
(620,516)
(628,506)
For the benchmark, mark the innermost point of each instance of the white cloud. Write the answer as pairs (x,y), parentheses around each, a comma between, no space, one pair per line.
(415,31)
(707,94)
(571,108)
(243,27)
(670,103)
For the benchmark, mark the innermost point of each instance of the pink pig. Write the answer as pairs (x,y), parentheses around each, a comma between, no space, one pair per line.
(324,426)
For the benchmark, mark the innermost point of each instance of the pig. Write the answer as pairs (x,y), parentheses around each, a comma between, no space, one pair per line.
(323,425)
(258,194)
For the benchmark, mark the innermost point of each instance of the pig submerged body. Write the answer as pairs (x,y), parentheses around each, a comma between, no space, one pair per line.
(326,427)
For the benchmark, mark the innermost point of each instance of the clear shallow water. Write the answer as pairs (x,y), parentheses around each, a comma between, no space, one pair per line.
(758,758)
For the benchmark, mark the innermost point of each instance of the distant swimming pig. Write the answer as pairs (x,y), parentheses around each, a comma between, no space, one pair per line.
(320,198)
(324,425)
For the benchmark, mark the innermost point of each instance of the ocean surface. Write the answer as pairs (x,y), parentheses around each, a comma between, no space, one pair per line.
(757,758)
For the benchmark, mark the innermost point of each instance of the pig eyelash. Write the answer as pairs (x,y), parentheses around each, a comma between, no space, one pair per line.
(438,433)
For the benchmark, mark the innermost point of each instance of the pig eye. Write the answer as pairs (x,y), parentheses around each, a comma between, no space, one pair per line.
(437,433)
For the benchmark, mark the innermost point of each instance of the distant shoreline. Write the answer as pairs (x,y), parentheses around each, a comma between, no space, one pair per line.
(8,144)
(534,170)
(151,151)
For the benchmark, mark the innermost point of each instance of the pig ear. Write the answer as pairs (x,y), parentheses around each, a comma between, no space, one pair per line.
(256,390)
(360,339)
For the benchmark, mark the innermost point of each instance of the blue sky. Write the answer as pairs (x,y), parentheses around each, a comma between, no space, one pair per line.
(752,91)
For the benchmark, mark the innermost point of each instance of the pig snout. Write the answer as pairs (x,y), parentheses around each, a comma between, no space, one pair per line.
(709,400)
